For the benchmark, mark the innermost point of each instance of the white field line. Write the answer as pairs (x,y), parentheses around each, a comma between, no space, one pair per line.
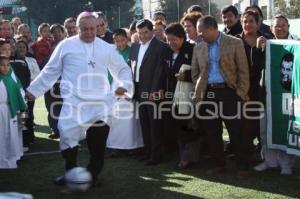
(47,152)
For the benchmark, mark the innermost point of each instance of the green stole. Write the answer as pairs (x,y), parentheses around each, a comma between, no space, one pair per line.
(15,100)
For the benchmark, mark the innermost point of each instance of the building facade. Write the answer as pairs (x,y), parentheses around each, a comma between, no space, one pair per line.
(267,6)
(149,7)
(221,4)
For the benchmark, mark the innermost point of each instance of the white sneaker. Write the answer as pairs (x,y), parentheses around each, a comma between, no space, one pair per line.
(261,167)
(286,171)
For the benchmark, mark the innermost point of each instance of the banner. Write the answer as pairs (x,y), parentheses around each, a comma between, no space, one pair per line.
(283,91)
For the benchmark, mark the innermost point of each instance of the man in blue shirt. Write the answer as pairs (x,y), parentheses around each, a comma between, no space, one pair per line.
(221,78)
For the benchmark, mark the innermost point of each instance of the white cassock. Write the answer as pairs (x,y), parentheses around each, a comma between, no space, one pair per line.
(125,131)
(85,88)
(11,139)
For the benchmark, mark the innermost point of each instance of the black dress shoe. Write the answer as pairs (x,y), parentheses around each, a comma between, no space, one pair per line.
(53,136)
(152,162)
(60,181)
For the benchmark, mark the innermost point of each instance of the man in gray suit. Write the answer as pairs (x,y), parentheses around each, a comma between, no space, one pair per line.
(148,62)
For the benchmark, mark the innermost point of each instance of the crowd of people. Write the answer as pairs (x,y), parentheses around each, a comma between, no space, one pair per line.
(151,89)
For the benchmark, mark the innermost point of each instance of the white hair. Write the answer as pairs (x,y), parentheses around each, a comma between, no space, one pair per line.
(84,15)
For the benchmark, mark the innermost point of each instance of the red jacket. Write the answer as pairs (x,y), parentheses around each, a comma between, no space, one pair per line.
(42,50)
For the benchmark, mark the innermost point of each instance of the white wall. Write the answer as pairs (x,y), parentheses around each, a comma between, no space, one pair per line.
(242,4)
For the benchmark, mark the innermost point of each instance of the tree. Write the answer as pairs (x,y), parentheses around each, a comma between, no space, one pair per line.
(294,9)
(55,11)
(290,9)
(170,7)
(52,11)
(117,12)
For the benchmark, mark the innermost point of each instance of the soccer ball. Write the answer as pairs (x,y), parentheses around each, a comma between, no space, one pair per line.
(78,179)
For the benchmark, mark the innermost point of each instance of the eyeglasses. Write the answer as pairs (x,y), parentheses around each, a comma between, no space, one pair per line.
(280,26)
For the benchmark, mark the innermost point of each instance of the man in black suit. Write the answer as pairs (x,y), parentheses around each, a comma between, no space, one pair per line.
(147,61)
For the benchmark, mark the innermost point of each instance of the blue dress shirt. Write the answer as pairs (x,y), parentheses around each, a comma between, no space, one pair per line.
(214,74)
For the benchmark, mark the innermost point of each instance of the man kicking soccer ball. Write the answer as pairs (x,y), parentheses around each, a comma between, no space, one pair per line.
(82,62)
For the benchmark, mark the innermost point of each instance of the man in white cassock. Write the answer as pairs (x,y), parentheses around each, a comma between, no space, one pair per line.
(82,61)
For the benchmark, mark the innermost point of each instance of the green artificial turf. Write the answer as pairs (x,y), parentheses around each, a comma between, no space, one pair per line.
(127,178)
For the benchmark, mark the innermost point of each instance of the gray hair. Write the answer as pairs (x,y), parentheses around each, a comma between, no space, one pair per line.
(84,15)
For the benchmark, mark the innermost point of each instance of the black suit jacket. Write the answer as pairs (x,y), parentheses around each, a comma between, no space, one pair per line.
(151,74)
(108,37)
(184,57)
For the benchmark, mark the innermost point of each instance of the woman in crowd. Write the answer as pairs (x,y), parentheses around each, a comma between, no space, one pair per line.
(159,30)
(58,32)
(15,22)
(24,32)
(22,71)
(189,22)
(6,30)
(178,90)
(133,34)
(34,69)
(31,61)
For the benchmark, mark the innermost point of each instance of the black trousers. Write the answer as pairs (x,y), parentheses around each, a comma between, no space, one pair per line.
(251,128)
(151,130)
(28,131)
(185,133)
(53,103)
(96,137)
(224,105)
(170,132)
